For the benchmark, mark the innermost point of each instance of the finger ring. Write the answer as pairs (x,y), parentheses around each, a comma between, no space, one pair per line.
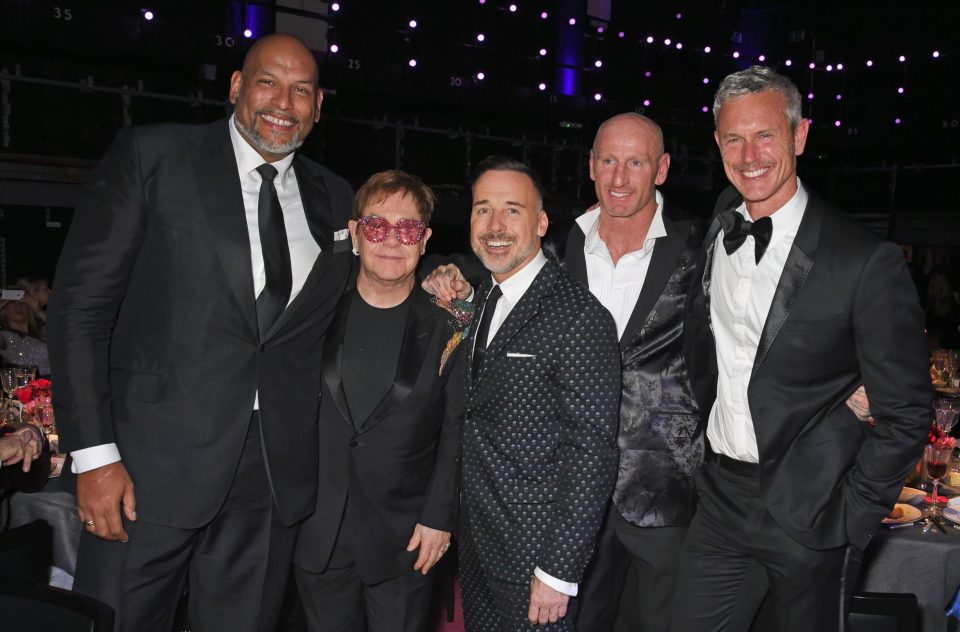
(88,523)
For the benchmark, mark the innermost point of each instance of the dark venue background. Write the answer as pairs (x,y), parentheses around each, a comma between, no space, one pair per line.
(884,145)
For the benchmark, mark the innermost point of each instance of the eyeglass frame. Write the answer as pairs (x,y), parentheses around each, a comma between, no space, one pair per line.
(406,221)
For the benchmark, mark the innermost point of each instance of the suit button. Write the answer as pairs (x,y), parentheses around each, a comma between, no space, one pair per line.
(354,443)
(263,348)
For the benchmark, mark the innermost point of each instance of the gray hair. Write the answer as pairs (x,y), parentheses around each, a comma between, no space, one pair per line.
(758,79)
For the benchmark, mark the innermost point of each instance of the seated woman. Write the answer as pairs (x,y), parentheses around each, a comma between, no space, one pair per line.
(22,341)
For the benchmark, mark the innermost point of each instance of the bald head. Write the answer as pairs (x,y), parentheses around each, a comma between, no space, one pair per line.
(283,43)
(631,123)
(276,95)
(627,163)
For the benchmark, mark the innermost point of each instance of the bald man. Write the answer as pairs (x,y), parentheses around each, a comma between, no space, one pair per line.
(637,255)
(200,273)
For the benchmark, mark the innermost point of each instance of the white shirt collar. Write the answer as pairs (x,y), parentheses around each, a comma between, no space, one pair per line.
(590,225)
(521,280)
(248,159)
(786,219)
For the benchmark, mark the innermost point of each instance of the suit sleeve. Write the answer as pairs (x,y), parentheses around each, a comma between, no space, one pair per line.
(92,275)
(588,378)
(440,503)
(892,352)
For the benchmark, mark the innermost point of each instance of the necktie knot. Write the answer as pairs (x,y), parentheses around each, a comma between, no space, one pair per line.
(267,172)
(736,229)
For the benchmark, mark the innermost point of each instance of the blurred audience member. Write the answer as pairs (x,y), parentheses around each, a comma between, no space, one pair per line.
(21,338)
(36,295)
(943,311)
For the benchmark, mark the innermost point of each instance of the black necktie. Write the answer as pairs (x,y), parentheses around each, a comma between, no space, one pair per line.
(736,229)
(480,342)
(276,253)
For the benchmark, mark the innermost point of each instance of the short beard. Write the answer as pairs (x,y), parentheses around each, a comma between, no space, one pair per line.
(264,144)
(508,265)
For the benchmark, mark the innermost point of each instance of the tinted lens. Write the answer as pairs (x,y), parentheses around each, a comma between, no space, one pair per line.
(375,229)
(410,231)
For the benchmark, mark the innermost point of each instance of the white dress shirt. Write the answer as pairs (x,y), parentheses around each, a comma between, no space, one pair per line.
(741,294)
(304,251)
(617,285)
(513,290)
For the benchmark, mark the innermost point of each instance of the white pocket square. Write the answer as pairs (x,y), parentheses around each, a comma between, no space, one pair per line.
(340,235)
(510,354)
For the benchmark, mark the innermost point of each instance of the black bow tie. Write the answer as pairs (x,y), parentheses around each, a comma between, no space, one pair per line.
(736,229)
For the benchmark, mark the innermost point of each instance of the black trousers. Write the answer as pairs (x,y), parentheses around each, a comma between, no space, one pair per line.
(731,533)
(236,567)
(491,604)
(630,583)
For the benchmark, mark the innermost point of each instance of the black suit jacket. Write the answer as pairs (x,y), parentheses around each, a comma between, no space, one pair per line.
(845,312)
(660,447)
(539,433)
(153,334)
(400,467)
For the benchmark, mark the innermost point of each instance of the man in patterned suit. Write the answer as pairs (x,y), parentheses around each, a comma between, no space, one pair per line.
(539,448)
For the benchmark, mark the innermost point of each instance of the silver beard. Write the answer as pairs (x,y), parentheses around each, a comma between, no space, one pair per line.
(264,144)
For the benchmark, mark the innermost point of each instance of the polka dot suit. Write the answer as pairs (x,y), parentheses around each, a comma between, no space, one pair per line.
(539,449)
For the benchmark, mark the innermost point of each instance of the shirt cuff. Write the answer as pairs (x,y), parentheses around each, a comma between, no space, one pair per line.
(91,458)
(567,588)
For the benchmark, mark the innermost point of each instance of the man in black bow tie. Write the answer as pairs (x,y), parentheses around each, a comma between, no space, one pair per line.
(779,333)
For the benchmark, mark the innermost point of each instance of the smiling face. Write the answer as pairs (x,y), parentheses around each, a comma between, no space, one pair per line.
(627,163)
(507,222)
(276,96)
(389,262)
(760,150)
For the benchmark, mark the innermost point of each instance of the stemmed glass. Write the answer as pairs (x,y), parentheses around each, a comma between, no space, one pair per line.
(8,381)
(946,411)
(937,459)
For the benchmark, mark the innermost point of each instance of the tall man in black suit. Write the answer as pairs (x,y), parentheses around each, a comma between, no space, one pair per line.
(390,422)
(637,255)
(539,430)
(199,275)
(796,306)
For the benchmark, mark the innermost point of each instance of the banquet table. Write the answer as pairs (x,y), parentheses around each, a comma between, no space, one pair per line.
(909,561)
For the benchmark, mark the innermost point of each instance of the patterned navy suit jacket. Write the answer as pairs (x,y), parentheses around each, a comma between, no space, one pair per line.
(539,451)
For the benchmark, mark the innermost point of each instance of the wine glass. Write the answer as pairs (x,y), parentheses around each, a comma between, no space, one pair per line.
(937,460)
(8,381)
(24,375)
(946,411)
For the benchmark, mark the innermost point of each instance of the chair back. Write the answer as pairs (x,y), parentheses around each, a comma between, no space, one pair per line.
(884,612)
(25,552)
(31,608)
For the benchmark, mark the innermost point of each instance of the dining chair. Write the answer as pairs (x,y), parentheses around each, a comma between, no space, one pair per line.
(25,552)
(26,607)
(883,612)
